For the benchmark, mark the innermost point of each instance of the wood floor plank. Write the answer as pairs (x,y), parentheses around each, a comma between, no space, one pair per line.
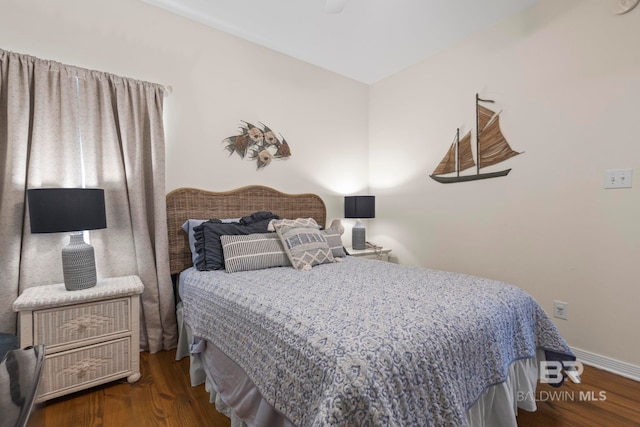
(601,399)
(163,397)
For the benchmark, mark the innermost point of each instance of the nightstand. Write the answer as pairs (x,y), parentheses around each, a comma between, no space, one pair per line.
(371,253)
(91,336)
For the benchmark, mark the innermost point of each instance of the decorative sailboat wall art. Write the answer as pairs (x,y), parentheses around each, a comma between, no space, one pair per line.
(491,148)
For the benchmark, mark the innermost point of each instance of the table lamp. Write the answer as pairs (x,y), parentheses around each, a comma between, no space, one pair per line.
(359,207)
(55,210)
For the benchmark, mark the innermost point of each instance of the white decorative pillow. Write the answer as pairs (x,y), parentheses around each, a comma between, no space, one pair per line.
(305,246)
(299,222)
(253,252)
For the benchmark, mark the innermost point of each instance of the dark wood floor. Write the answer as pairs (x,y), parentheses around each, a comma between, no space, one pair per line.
(164,397)
(602,399)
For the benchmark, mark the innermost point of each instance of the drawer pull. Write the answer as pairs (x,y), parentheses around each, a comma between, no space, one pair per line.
(83,369)
(86,323)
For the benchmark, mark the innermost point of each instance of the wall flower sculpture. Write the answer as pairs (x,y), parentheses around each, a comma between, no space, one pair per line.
(258,143)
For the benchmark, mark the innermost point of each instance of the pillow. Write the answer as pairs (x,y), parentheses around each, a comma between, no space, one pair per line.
(253,252)
(188,228)
(334,240)
(207,234)
(305,246)
(332,234)
(300,222)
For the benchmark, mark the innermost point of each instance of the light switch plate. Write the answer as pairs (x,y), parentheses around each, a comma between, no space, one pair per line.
(619,178)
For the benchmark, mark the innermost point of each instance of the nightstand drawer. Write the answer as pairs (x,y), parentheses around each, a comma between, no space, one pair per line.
(73,370)
(77,323)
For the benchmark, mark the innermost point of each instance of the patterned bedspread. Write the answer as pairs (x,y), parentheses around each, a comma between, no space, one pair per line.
(365,342)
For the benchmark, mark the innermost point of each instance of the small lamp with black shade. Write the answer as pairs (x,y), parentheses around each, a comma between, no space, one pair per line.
(359,207)
(56,210)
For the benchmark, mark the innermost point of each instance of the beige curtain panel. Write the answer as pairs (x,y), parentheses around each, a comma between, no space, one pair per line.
(63,126)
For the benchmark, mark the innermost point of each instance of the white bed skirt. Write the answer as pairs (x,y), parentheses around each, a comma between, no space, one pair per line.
(236,397)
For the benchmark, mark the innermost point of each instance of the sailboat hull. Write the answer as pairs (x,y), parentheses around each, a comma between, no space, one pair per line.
(465,178)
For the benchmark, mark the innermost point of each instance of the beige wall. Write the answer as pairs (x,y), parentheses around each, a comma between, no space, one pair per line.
(218,81)
(567,77)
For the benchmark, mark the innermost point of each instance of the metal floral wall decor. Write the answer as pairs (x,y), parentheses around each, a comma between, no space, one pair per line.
(258,143)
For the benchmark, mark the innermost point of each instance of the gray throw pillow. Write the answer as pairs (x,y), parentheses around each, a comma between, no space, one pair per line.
(305,246)
(253,252)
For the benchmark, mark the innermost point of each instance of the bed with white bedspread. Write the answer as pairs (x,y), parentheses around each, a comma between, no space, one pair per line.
(363,342)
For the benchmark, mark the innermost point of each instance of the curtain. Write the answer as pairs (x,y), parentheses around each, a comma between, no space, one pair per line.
(64,126)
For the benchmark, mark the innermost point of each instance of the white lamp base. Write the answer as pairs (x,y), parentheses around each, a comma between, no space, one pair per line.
(78,264)
(358,236)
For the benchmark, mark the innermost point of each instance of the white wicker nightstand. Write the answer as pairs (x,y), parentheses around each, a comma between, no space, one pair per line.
(91,336)
(371,253)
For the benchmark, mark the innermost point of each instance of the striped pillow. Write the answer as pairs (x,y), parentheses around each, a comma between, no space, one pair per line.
(253,252)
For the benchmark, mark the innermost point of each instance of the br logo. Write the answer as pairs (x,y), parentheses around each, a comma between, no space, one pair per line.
(551,371)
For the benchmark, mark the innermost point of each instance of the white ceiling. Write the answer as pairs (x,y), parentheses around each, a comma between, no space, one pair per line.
(367,41)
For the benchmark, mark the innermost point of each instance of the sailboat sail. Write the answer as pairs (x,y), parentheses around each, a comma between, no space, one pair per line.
(491,146)
(465,157)
(484,116)
(448,163)
(464,153)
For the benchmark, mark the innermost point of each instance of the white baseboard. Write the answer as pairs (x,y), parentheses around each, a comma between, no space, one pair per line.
(617,367)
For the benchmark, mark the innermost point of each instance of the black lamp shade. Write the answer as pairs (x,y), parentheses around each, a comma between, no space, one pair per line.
(54,210)
(360,207)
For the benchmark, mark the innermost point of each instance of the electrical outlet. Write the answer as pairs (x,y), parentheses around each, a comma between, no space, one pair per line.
(620,178)
(560,309)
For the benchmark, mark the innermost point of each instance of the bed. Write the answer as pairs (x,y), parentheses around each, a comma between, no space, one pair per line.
(354,342)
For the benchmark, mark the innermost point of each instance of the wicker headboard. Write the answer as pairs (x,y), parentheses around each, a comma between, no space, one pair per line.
(192,203)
